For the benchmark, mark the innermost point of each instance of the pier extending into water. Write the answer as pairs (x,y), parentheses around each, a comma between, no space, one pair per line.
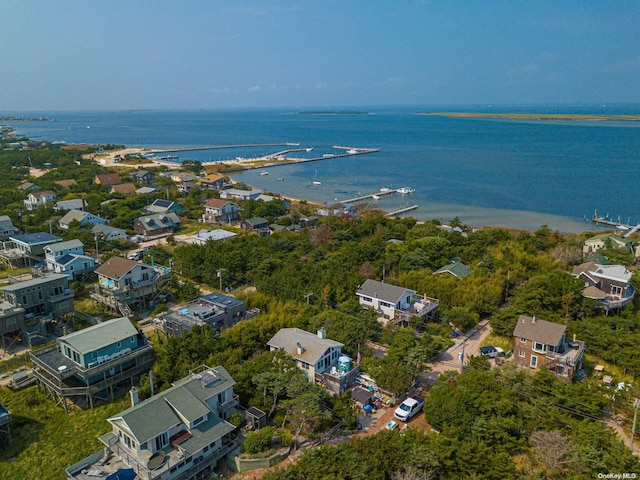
(366,197)
(402,210)
(221,147)
(606,220)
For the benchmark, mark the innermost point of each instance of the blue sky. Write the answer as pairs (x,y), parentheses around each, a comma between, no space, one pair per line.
(79,55)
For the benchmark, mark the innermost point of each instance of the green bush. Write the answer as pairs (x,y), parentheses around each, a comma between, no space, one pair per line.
(259,441)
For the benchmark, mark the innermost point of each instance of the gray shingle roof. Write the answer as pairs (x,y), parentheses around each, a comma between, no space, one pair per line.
(60,246)
(34,282)
(314,347)
(100,335)
(384,291)
(538,330)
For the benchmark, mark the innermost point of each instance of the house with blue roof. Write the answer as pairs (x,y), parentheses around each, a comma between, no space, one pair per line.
(32,244)
(68,258)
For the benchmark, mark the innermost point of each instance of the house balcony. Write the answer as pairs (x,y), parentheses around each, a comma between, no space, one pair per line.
(616,301)
(66,377)
(421,306)
(572,355)
(66,295)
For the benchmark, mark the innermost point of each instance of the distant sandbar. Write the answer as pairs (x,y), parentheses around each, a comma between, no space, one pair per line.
(531,116)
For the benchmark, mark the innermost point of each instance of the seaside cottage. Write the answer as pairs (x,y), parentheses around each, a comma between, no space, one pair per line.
(218,210)
(38,199)
(156,225)
(107,179)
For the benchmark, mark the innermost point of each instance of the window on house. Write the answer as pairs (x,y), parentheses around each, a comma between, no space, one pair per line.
(523,340)
(119,344)
(616,290)
(222,397)
(521,353)
(534,361)
(539,347)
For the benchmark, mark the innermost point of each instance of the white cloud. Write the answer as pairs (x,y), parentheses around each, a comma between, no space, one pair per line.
(255,88)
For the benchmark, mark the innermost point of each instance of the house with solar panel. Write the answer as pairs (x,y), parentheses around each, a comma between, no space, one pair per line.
(180,433)
(94,364)
(395,304)
(160,205)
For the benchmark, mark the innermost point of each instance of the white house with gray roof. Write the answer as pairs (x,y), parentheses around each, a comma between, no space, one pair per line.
(68,258)
(312,353)
(6,227)
(179,433)
(84,218)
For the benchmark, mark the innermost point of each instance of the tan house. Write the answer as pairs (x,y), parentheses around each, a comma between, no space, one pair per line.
(542,344)
(212,181)
(124,188)
(122,282)
(38,199)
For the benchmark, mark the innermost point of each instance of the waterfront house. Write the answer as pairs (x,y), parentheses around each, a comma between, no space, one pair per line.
(84,218)
(142,176)
(215,309)
(38,199)
(395,304)
(109,233)
(212,181)
(73,204)
(49,295)
(605,240)
(270,198)
(608,284)
(180,433)
(238,194)
(160,205)
(318,357)
(218,235)
(455,268)
(93,364)
(123,189)
(219,210)
(257,225)
(6,227)
(542,344)
(122,282)
(156,225)
(68,258)
(107,179)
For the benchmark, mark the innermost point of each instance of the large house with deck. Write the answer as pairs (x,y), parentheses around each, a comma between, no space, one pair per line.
(608,284)
(395,304)
(180,433)
(542,344)
(93,364)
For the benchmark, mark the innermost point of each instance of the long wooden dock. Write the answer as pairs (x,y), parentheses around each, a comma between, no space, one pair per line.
(366,197)
(220,147)
(402,210)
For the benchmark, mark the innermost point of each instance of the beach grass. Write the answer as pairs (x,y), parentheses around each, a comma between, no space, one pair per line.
(45,439)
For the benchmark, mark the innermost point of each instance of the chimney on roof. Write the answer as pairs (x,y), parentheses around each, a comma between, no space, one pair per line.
(133,393)
(574,337)
(322,333)
(300,348)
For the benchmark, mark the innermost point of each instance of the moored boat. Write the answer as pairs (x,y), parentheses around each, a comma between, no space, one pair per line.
(405,190)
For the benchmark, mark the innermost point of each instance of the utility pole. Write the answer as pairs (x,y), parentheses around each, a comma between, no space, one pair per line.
(220,270)
(635,417)
(97,254)
(307,297)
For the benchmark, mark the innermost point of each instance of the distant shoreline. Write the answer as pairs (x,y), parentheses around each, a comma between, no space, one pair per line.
(531,116)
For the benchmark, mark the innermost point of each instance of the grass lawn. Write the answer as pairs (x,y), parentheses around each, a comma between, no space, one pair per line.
(45,439)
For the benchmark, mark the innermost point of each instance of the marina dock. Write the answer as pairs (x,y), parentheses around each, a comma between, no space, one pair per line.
(628,228)
(366,197)
(220,147)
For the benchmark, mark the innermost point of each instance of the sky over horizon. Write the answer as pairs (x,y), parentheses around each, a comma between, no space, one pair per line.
(116,55)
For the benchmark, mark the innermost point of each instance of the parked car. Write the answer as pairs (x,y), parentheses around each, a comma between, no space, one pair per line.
(491,351)
(135,256)
(409,408)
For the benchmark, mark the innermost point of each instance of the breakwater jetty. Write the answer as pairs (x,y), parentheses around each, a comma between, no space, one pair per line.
(221,147)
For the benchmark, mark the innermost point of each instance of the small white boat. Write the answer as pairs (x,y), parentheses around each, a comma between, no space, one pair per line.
(263,173)
(375,197)
(622,227)
(328,155)
(310,149)
(386,189)
(405,190)
(316,182)
(352,151)
(279,179)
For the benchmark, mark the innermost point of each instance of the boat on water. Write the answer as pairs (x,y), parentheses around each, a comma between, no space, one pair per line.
(352,151)
(310,149)
(328,155)
(316,182)
(405,190)
(263,173)
(279,179)
(386,189)
(624,228)
(375,197)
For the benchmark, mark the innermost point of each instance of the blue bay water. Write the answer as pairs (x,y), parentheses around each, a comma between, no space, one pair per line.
(519,174)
